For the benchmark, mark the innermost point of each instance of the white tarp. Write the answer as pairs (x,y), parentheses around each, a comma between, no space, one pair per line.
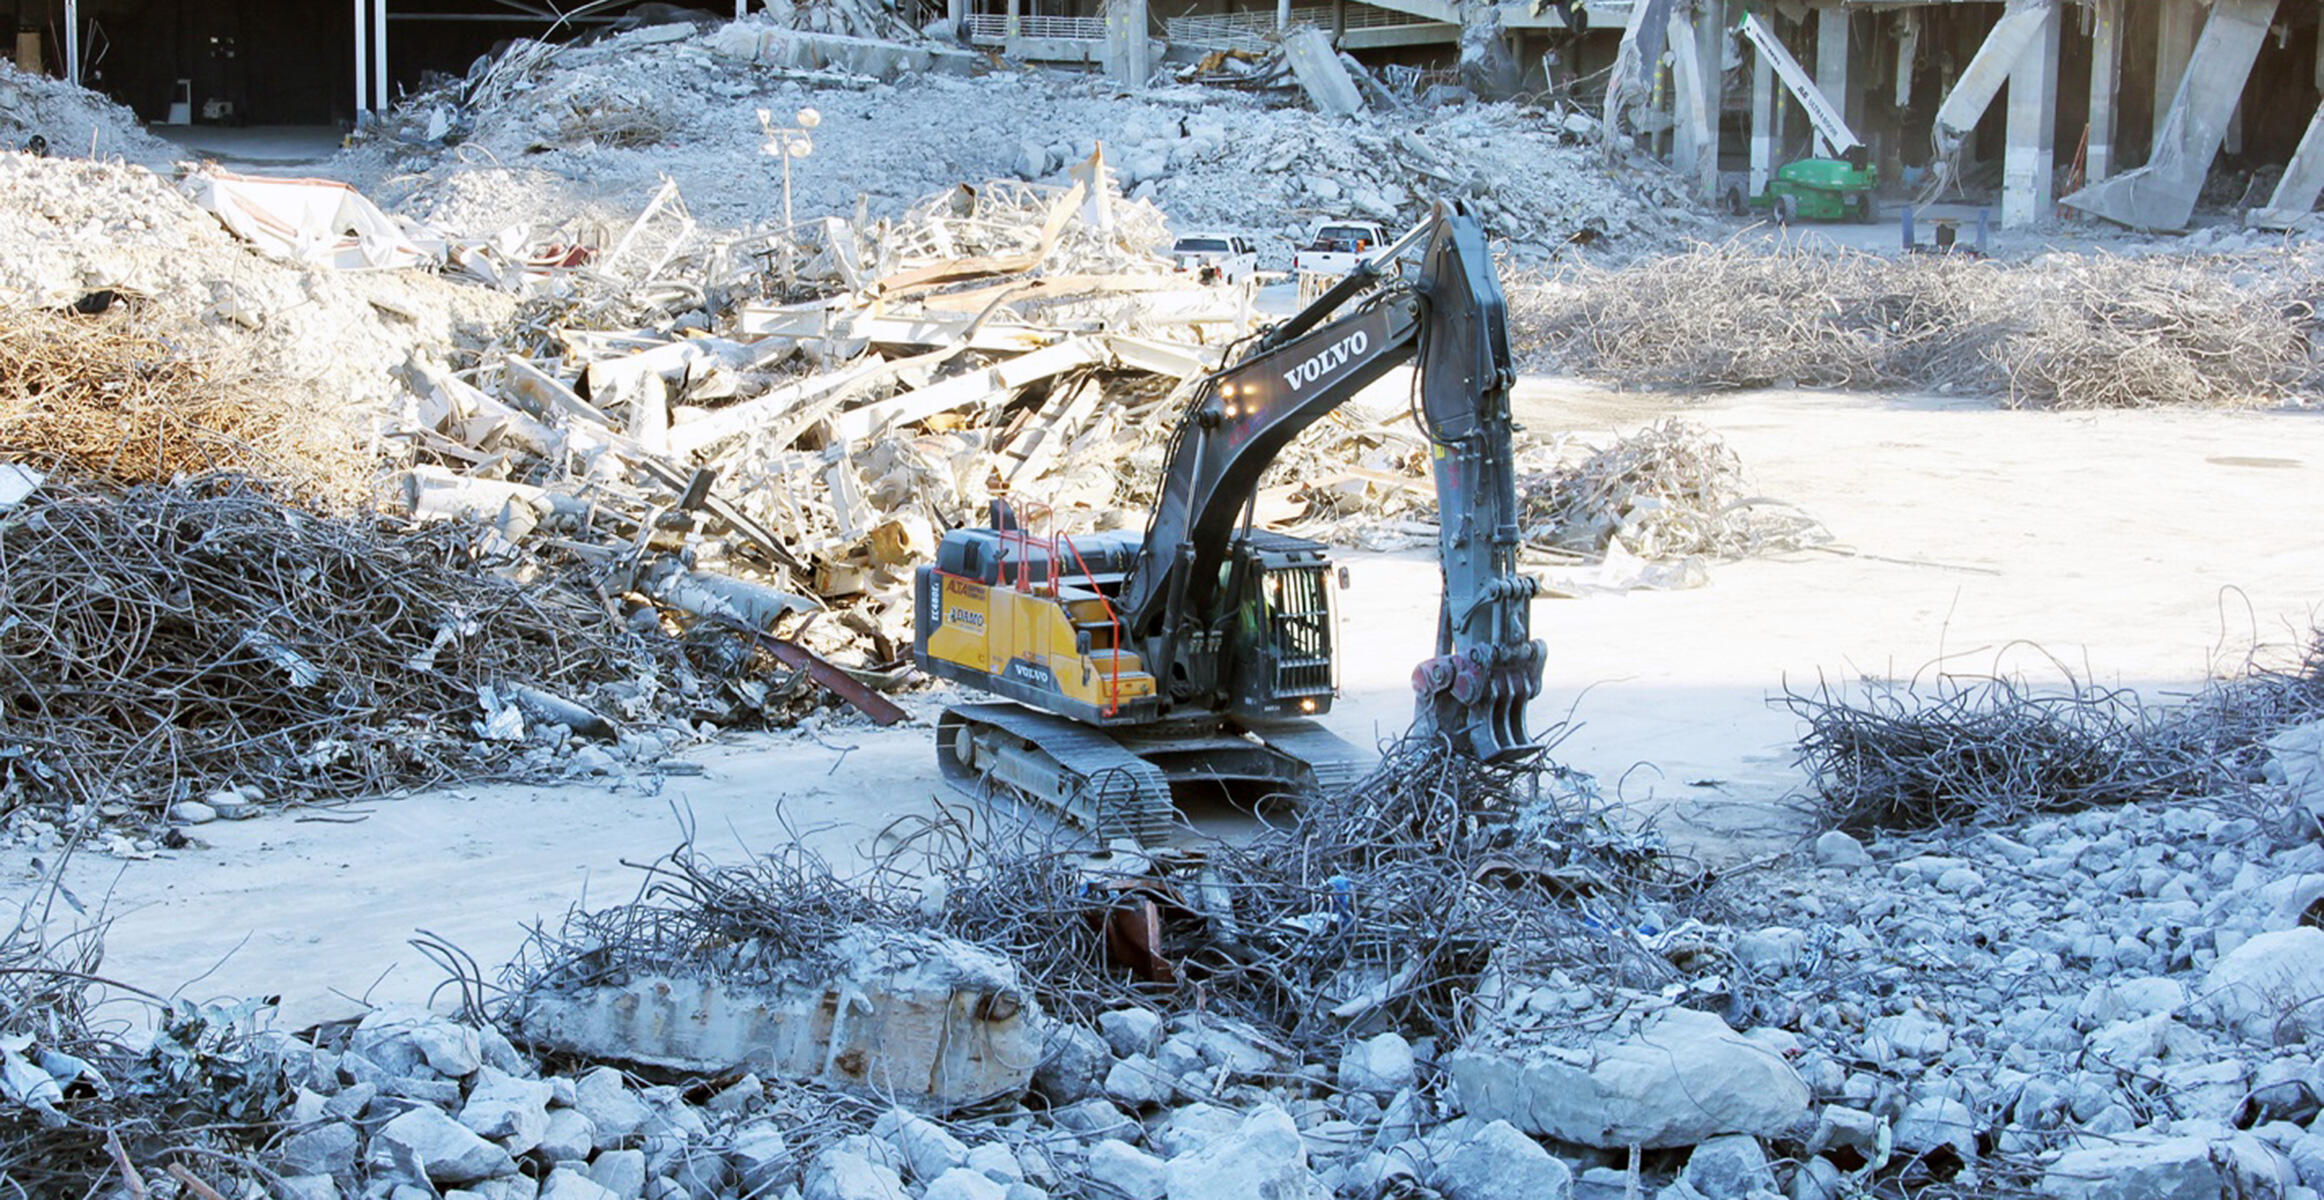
(319,221)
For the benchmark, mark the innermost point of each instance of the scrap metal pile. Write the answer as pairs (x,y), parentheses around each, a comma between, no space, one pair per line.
(207,642)
(1945,749)
(2060,331)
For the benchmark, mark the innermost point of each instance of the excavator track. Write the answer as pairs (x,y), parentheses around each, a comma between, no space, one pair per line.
(1085,776)
(1117,785)
(1333,762)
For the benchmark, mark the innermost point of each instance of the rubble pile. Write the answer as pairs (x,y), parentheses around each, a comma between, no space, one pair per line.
(1459,981)
(306,363)
(72,120)
(2058,331)
(550,141)
(1667,491)
(791,463)
(1962,748)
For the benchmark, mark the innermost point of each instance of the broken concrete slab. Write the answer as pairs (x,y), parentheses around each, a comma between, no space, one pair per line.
(1317,67)
(800,50)
(928,1022)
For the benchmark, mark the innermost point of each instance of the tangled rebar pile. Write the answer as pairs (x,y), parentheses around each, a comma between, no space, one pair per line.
(85,1105)
(2063,331)
(106,395)
(167,641)
(1667,491)
(1997,748)
(1384,902)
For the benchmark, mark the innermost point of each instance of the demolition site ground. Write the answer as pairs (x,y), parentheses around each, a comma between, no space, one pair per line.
(460,737)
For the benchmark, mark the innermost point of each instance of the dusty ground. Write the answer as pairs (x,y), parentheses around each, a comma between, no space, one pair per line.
(2143,548)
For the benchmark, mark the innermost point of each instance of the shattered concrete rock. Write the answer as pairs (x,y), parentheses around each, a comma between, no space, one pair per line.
(1263,1156)
(2192,1168)
(1498,1162)
(1675,1078)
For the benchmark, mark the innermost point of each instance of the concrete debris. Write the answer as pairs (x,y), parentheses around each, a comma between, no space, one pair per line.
(2267,988)
(588,133)
(929,1021)
(1498,1162)
(1263,1156)
(1673,1077)
(314,221)
(75,122)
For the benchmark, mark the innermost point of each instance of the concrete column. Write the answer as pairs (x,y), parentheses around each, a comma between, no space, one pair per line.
(73,40)
(2176,22)
(1282,14)
(2105,81)
(1832,49)
(2029,190)
(956,13)
(1012,27)
(1711,59)
(1762,123)
(2295,200)
(2161,195)
(1908,52)
(362,61)
(379,85)
(1129,55)
(1687,112)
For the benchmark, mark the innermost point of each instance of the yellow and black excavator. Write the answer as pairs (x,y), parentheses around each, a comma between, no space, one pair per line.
(1202,649)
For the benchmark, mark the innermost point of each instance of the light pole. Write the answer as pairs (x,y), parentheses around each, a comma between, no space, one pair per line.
(787,142)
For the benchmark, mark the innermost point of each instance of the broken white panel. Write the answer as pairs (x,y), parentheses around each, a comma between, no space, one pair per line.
(318,221)
(2161,195)
(969,388)
(816,320)
(1320,73)
(688,437)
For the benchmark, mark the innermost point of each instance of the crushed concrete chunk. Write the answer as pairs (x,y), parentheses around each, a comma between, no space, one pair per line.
(447,1151)
(1676,1079)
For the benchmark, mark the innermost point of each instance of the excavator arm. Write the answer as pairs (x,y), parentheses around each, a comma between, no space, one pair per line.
(1183,588)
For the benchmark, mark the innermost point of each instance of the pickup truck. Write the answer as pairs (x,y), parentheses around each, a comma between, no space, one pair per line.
(1338,246)
(1216,257)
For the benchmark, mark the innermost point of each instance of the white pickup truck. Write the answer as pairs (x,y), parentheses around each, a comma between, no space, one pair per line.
(1338,246)
(1216,257)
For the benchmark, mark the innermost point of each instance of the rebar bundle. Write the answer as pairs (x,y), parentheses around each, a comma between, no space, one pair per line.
(171,640)
(2061,331)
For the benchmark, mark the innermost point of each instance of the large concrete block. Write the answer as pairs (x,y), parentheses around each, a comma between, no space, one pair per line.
(1674,1078)
(925,1021)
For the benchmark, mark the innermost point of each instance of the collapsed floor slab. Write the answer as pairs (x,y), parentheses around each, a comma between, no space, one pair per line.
(926,1021)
